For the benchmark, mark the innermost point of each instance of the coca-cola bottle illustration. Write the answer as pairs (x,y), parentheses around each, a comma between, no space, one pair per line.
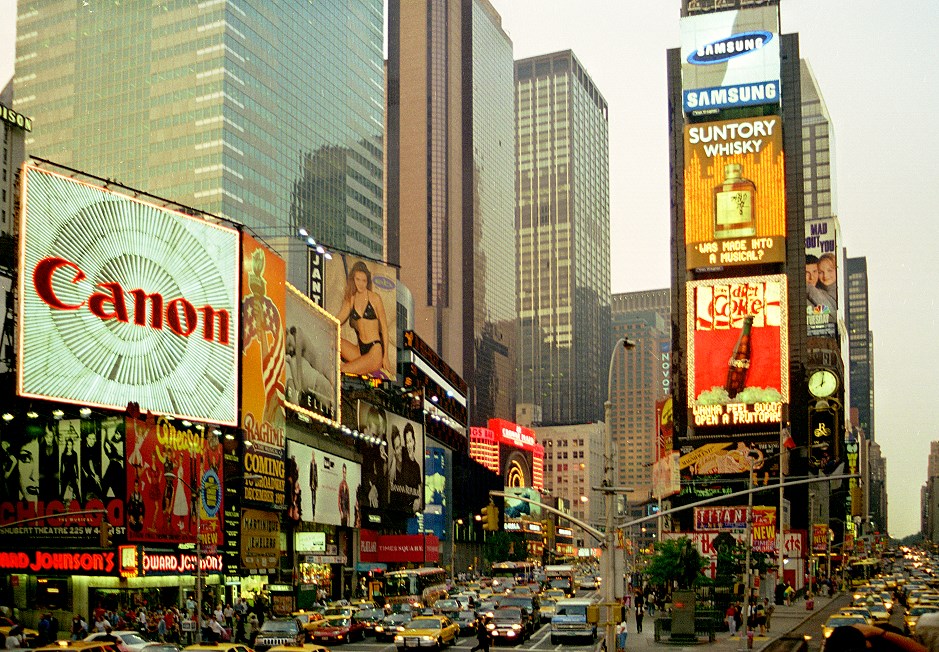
(739,365)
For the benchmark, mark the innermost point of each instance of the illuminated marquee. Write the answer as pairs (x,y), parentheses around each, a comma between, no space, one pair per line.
(123,301)
(738,347)
(730,59)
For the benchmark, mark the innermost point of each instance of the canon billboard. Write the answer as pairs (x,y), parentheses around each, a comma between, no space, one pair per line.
(123,301)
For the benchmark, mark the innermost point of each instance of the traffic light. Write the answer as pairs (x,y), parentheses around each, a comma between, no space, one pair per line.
(105,533)
(489,515)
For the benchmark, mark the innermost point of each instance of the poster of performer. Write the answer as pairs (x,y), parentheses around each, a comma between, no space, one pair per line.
(49,466)
(328,486)
(263,370)
(405,464)
(373,422)
(170,474)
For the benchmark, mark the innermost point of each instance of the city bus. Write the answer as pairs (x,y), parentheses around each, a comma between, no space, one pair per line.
(561,576)
(506,574)
(421,587)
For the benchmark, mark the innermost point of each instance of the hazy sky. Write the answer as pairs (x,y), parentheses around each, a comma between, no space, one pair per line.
(875,64)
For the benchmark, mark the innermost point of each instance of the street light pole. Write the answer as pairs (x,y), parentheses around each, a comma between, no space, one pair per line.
(198,507)
(608,566)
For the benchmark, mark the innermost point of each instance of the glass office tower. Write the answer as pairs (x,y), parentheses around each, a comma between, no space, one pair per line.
(267,114)
(451,196)
(563,223)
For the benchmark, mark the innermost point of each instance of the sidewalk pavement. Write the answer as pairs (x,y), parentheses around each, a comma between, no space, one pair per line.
(784,620)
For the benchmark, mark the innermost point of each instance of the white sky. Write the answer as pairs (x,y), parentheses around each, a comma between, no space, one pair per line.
(875,63)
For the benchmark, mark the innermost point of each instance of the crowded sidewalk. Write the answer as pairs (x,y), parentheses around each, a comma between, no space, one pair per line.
(785,618)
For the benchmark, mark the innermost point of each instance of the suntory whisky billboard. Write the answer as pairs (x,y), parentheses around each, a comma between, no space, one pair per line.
(730,59)
(737,353)
(735,206)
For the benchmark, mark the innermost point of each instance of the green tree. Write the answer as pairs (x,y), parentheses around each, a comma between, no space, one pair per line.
(675,562)
(503,546)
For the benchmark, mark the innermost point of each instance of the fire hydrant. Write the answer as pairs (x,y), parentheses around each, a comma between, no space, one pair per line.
(749,639)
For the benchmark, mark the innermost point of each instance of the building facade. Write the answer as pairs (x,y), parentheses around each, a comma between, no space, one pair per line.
(573,465)
(861,343)
(641,377)
(563,231)
(450,192)
(269,115)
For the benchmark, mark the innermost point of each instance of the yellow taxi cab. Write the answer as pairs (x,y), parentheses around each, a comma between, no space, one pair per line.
(434,631)
(306,647)
(841,620)
(310,621)
(6,624)
(79,646)
(217,647)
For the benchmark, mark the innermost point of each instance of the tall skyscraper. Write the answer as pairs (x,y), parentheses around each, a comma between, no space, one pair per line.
(641,377)
(563,224)
(450,195)
(268,114)
(861,344)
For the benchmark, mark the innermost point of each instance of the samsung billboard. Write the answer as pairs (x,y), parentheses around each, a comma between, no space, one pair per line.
(730,59)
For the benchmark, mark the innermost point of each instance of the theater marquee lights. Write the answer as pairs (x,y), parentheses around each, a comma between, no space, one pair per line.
(123,301)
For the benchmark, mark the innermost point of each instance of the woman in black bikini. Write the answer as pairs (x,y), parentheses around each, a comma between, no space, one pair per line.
(365,312)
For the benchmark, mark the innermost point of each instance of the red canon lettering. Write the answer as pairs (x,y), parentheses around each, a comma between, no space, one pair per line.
(42,281)
(109,303)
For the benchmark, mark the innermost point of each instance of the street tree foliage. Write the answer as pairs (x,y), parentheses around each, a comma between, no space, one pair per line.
(503,546)
(675,563)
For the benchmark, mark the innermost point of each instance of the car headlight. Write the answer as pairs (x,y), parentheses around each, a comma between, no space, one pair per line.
(399,639)
(427,639)
(491,626)
(516,627)
(379,628)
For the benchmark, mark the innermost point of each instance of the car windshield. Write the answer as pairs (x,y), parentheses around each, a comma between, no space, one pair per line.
(508,613)
(279,626)
(571,610)
(846,620)
(424,623)
(467,615)
(132,639)
(370,614)
(339,622)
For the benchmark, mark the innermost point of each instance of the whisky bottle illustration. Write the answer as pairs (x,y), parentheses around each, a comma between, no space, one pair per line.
(734,214)
(739,365)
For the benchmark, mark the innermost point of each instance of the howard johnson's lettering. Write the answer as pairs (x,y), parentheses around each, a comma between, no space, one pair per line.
(83,562)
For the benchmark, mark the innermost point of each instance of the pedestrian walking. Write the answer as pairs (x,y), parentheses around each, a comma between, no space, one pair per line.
(621,636)
(768,609)
(482,637)
(640,612)
(730,616)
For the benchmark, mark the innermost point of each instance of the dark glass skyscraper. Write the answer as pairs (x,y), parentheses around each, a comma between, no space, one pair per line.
(268,114)
(451,198)
(563,223)
(861,344)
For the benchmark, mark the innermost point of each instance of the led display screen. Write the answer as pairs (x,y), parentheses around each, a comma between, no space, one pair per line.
(730,59)
(735,206)
(738,347)
(124,301)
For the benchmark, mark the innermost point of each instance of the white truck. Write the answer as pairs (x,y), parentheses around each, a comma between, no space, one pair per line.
(575,618)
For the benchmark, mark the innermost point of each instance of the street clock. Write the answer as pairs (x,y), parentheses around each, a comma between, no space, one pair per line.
(823,383)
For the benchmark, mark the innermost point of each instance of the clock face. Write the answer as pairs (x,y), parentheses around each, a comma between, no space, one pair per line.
(823,383)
